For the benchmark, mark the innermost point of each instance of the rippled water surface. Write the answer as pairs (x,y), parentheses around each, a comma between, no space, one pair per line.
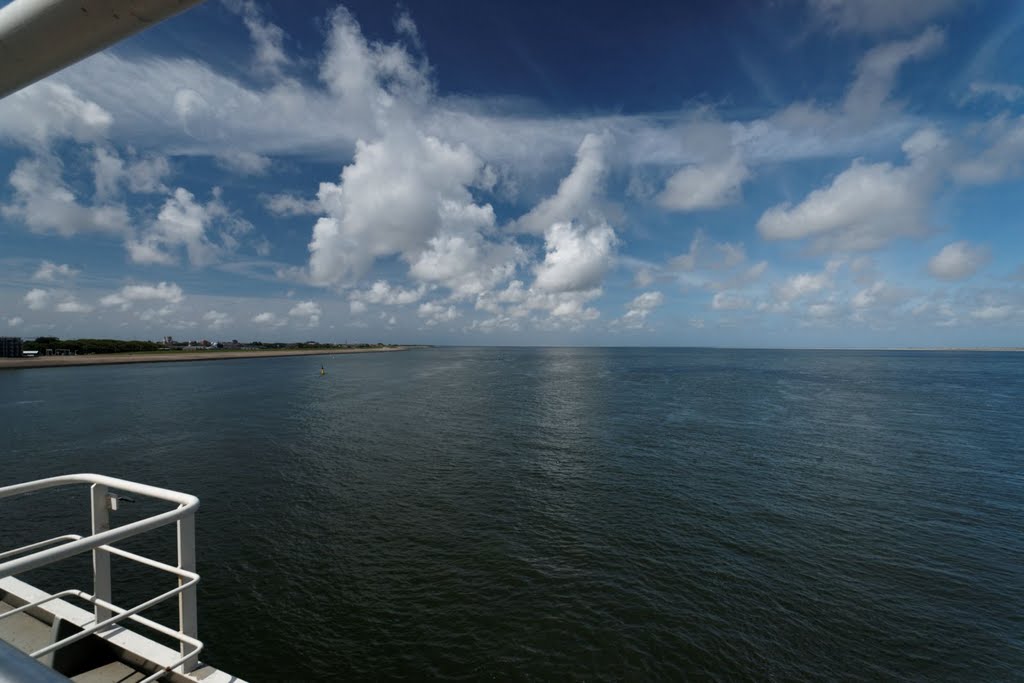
(551,514)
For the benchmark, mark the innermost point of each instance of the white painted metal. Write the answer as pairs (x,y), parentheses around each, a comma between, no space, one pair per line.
(188,618)
(41,544)
(100,557)
(106,614)
(187,506)
(39,37)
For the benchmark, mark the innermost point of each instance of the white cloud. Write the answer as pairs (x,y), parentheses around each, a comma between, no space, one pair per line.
(184,222)
(708,254)
(217,320)
(72,305)
(877,16)
(1009,92)
(405,26)
(727,301)
(51,272)
(822,310)
(705,186)
(398,193)
(37,299)
(290,205)
(16,321)
(110,172)
(577,192)
(382,293)
(129,295)
(244,163)
(46,204)
(47,111)
(1003,159)
(640,307)
(269,57)
(437,312)
(958,260)
(310,310)
(866,205)
(804,284)
(576,257)
(267,319)
(876,72)
(992,312)
(468,265)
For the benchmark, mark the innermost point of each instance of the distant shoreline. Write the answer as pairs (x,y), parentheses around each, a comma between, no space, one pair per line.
(173,357)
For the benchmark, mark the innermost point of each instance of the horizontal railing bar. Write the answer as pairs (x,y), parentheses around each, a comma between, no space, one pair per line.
(111,482)
(187,505)
(89,630)
(178,571)
(37,603)
(40,544)
(145,621)
(59,548)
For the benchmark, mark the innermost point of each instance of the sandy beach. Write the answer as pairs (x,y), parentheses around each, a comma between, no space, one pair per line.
(172,357)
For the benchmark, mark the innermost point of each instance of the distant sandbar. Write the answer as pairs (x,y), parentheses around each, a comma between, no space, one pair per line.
(172,356)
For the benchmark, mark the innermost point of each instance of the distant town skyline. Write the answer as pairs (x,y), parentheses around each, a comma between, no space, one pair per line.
(797,174)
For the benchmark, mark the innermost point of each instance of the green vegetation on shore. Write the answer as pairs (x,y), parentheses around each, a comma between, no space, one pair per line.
(96,346)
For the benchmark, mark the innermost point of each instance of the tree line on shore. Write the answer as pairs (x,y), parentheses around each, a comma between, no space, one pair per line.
(87,346)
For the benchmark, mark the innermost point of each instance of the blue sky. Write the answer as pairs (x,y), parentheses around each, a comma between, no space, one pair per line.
(799,173)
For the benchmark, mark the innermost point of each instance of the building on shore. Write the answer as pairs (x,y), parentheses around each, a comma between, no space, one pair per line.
(10,347)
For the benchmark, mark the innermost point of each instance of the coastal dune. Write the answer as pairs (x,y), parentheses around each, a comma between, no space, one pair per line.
(173,356)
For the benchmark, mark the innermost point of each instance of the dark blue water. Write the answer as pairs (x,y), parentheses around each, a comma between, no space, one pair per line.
(551,514)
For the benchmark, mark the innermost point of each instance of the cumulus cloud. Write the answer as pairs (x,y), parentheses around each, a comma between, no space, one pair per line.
(111,173)
(72,305)
(398,193)
(45,204)
(640,307)
(804,284)
(306,311)
(728,301)
(382,292)
(577,192)
(37,299)
(576,257)
(289,205)
(866,205)
(705,253)
(992,312)
(217,320)
(129,295)
(51,272)
(468,265)
(15,321)
(705,186)
(877,16)
(268,319)
(958,260)
(244,163)
(437,313)
(269,57)
(186,223)
(48,111)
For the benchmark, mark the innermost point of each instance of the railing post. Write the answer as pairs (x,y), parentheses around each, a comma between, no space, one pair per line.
(188,619)
(100,558)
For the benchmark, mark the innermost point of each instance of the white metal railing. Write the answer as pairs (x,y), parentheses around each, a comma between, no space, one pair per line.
(100,542)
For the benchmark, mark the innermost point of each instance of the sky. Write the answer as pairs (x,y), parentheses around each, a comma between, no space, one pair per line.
(796,173)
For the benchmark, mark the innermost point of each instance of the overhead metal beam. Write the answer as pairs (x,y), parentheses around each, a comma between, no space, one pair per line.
(40,37)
